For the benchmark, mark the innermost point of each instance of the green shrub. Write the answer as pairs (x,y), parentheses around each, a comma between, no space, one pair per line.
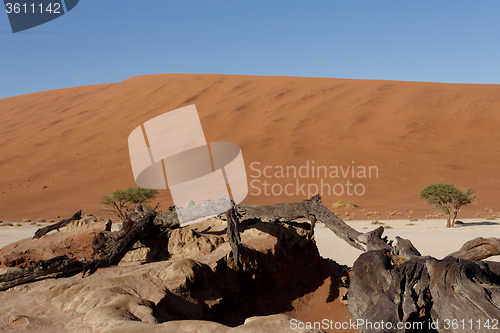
(121,200)
(447,199)
(344,204)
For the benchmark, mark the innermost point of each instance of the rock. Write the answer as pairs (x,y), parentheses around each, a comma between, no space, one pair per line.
(18,320)
(74,241)
(84,222)
(278,264)
(186,243)
(179,243)
(266,324)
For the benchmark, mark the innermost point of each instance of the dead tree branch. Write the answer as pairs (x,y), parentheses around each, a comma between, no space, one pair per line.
(233,233)
(310,208)
(139,224)
(479,248)
(42,231)
(39,269)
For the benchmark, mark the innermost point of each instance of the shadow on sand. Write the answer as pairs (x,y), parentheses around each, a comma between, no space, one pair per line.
(460,224)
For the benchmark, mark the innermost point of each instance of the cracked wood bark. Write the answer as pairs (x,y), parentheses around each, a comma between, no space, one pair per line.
(42,231)
(478,248)
(139,224)
(233,233)
(164,223)
(397,284)
(309,209)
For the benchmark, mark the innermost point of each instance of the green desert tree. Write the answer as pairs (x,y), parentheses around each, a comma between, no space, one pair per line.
(120,201)
(448,199)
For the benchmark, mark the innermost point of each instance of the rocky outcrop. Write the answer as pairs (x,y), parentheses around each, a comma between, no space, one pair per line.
(181,243)
(74,241)
(198,282)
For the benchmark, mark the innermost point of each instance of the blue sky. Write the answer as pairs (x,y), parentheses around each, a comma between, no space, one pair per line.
(109,41)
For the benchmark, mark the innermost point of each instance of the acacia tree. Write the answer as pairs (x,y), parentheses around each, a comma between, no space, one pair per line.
(121,200)
(448,199)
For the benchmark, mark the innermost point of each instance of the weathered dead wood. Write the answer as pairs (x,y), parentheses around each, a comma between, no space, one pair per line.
(42,231)
(163,222)
(105,240)
(399,285)
(479,248)
(312,220)
(373,240)
(233,233)
(463,289)
(404,248)
(39,269)
(309,208)
(141,223)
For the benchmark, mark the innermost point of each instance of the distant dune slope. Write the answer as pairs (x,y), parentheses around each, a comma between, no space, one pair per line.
(62,149)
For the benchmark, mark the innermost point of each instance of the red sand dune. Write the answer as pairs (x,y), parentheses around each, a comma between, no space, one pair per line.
(62,149)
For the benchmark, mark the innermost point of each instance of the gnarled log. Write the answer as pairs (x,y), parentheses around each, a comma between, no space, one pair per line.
(233,233)
(478,248)
(398,285)
(141,223)
(309,208)
(41,268)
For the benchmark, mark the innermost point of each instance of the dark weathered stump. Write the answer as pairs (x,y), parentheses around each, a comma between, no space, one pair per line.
(233,233)
(61,264)
(139,223)
(397,285)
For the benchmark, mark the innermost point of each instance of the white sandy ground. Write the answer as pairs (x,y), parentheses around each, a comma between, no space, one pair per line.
(430,237)
(13,234)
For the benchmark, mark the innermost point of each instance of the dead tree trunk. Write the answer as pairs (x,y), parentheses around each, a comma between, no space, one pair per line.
(140,223)
(309,209)
(233,233)
(42,231)
(41,268)
(396,284)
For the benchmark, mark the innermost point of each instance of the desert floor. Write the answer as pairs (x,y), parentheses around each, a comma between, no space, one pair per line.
(429,236)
